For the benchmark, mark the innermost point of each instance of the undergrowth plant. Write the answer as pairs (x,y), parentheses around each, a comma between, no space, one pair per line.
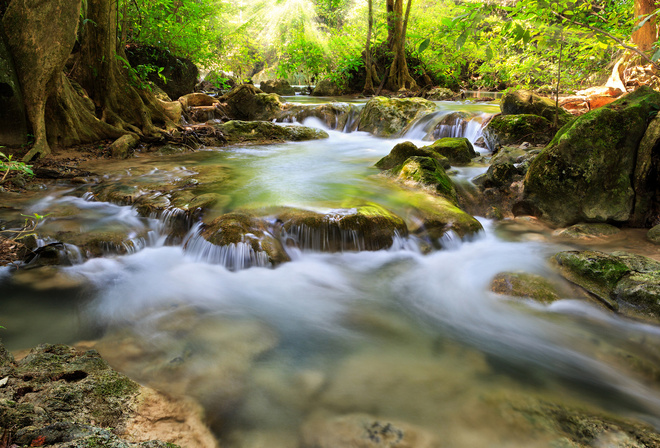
(7,165)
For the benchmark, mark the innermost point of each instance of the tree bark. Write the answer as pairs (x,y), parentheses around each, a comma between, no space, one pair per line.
(399,76)
(369,83)
(647,35)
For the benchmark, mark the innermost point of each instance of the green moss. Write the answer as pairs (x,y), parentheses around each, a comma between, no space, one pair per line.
(236,131)
(113,384)
(426,172)
(505,130)
(389,117)
(522,284)
(459,151)
(401,152)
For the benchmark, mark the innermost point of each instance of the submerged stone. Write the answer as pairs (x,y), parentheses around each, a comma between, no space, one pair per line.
(526,285)
(390,117)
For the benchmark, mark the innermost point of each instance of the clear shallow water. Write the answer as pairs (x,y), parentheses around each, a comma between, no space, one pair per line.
(402,336)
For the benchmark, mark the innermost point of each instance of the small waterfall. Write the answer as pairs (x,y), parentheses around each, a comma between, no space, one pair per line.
(443,124)
(324,238)
(234,256)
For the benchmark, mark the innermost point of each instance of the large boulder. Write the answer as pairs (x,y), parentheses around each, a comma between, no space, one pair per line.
(526,102)
(391,117)
(327,88)
(13,122)
(504,130)
(587,173)
(402,151)
(262,132)
(179,73)
(458,150)
(366,227)
(246,102)
(427,173)
(279,86)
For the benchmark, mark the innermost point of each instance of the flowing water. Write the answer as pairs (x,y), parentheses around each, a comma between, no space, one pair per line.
(289,356)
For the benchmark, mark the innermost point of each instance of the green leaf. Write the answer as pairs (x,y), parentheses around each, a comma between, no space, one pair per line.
(424,45)
(461,40)
(656,56)
(489,53)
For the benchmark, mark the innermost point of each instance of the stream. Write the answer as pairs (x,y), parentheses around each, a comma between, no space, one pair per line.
(287,356)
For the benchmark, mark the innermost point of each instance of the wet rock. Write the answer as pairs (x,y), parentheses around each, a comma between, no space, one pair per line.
(244,237)
(504,130)
(363,431)
(366,227)
(13,121)
(501,175)
(642,291)
(180,73)
(427,173)
(458,150)
(586,174)
(326,88)
(402,151)
(197,100)
(246,102)
(525,102)
(441,217)
(262,132)
(522,284)
(122,147)
(334,115)
(59,395)
(439,94)
(279,86)
(647,170)
(390,117)
(653,235)
(588,230)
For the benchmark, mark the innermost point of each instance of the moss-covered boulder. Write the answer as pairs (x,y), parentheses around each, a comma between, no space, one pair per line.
(241,241)
(588,230)
(586,173)
(628,283)
(334,115)
(458,150)
(246,102)
(653,235)
(436,216)
(391,117)
(525,285)
(402,151)
(365,227)
(439,94)
(645,178)
(279,86)
(525,102)
(427,173)
(500,175)
(503,130)
(262,132)
(327,87)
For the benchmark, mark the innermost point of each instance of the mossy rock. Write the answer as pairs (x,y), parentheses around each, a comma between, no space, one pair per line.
(458,150)
(243,230)
(440,216)
(279,86)
(403,151)
(525,285)
(326,87)
(597,272)
(427,173)
(501,175)
(365,227)
(653,235)
(391,117)
(439,94)
(588,230)
(261,132)
(585,174)
(246,102)
(504,130)
(526,102)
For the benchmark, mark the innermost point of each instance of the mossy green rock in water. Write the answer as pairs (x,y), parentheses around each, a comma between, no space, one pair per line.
(585,174)
(366,227)
(626,282)
(522,284)
(459,150)
(401,152)
(526,102)
(440,216)
(426,172)
(390,117)
(266,132)
(505,130)
(589,230)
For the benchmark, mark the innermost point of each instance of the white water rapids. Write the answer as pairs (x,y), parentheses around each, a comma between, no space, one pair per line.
(397,334)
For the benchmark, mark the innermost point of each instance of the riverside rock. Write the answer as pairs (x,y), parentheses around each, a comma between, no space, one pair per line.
(458,150)
(258,132)
(246,102)
(402,151)
(390,117)
(279,86)
(504,130)
(326,88)
(427,173)
(525,102)
(586,174)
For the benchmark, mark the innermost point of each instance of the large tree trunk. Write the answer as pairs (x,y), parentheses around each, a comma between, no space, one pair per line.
(647,35)
(399,76)
(41,35)
(368,65)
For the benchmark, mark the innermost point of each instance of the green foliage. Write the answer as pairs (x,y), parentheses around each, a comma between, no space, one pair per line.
(7,165)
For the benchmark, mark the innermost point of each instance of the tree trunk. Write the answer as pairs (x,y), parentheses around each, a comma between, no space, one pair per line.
(369,83)
(399,76)
(41,35)
(647,35)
